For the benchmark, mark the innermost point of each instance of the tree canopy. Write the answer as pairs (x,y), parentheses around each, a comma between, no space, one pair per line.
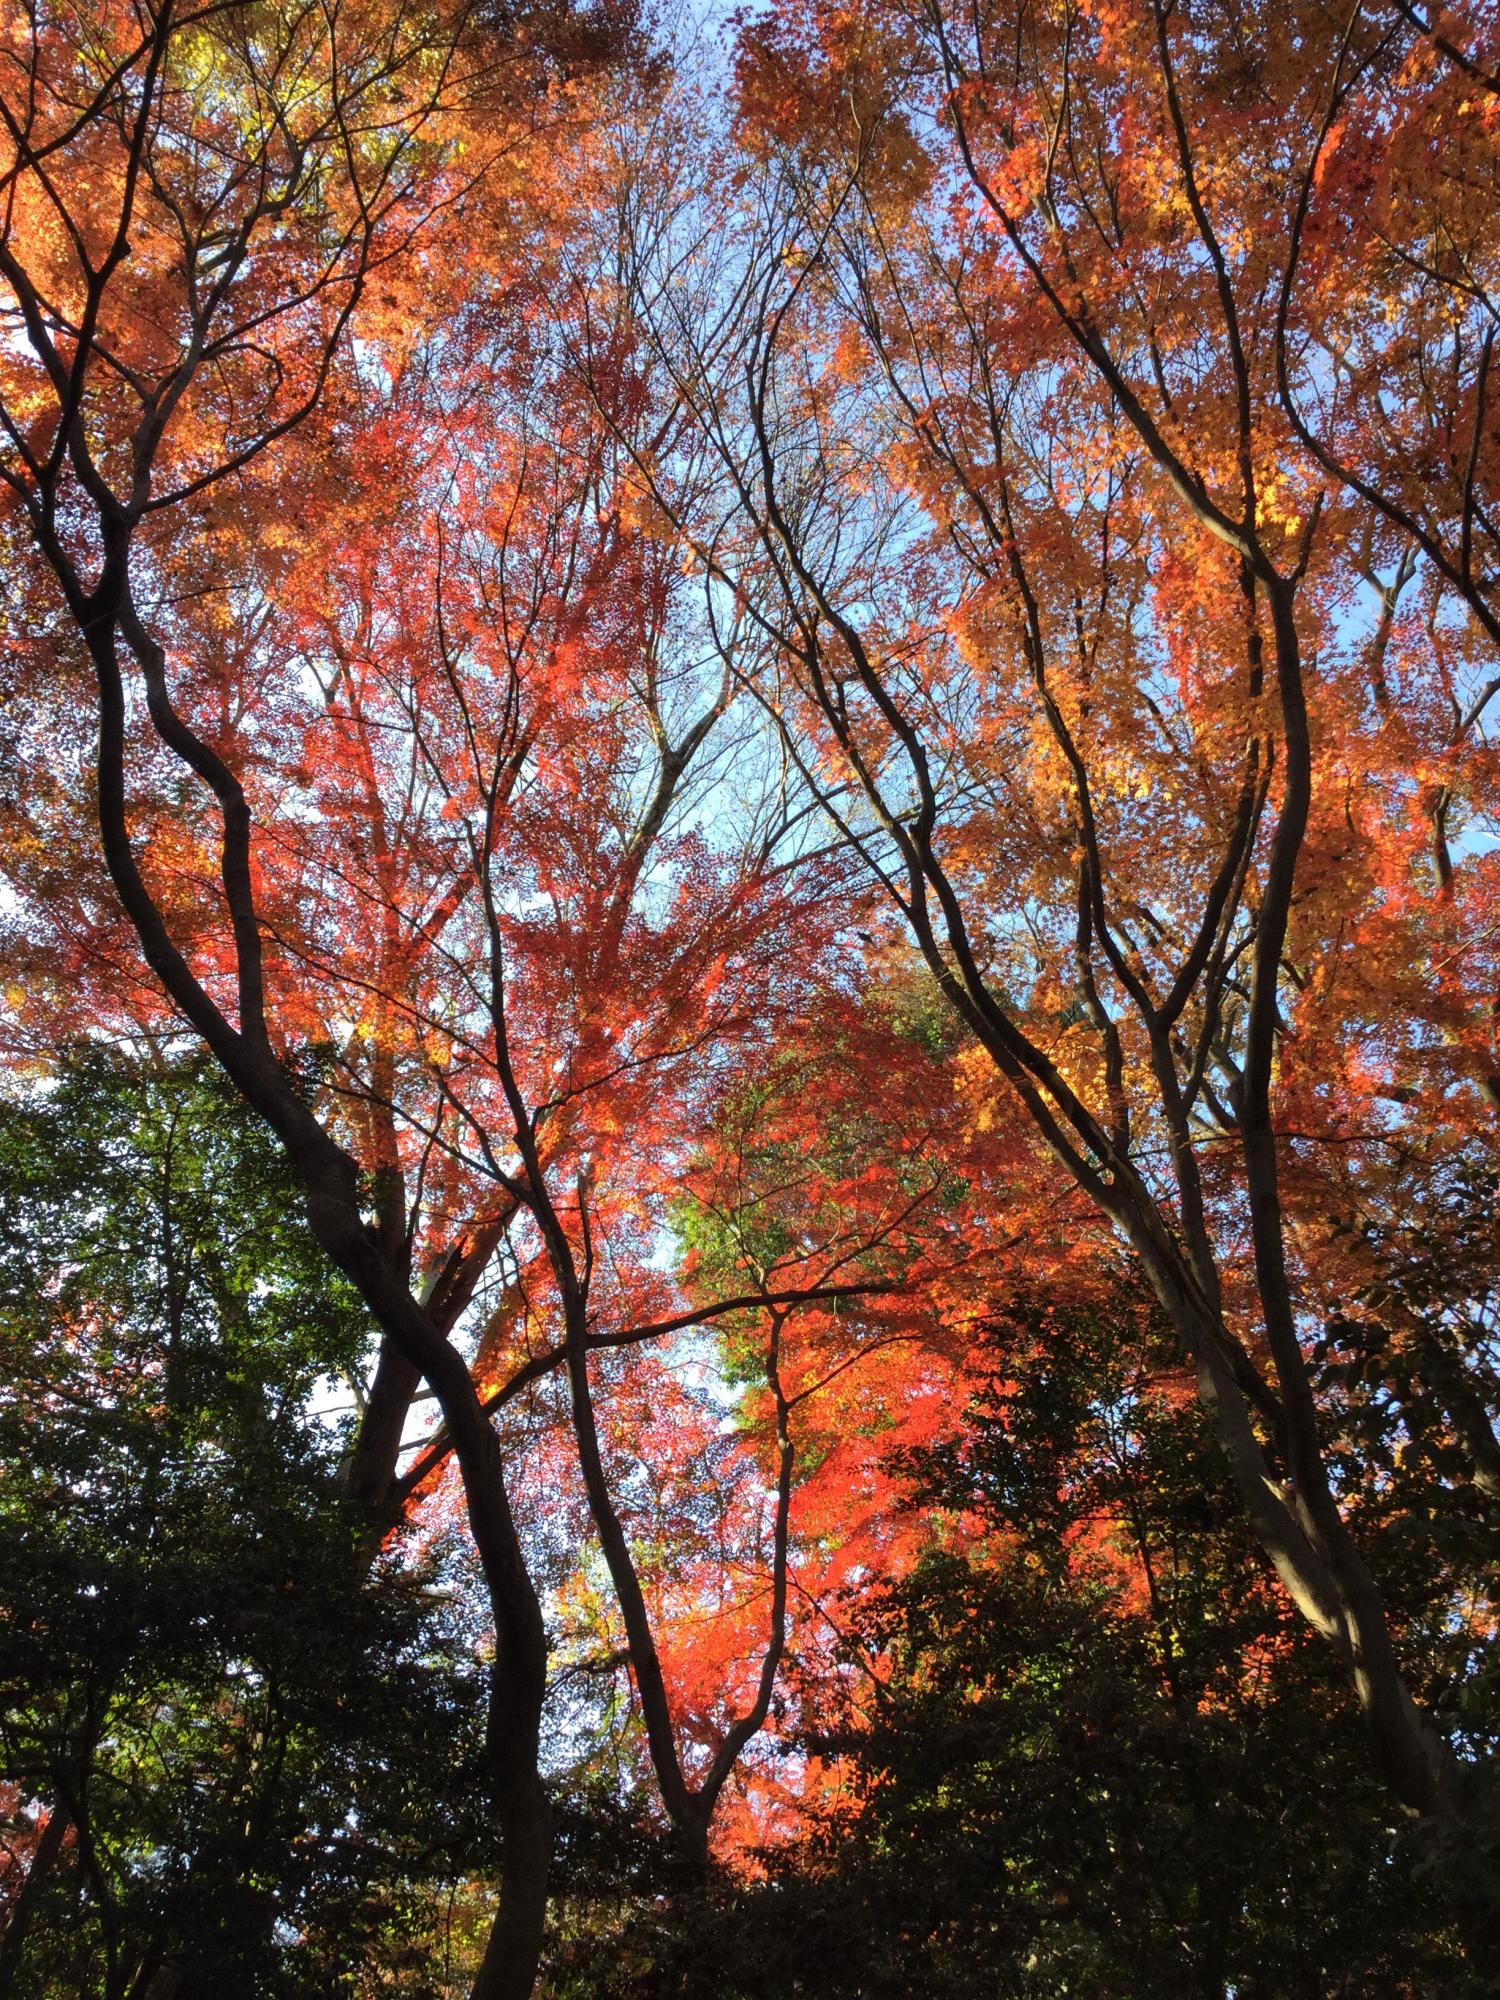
(752,998)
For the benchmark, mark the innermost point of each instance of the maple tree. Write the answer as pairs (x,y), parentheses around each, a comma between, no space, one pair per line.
(1008,364)
(151,161)
(512,959)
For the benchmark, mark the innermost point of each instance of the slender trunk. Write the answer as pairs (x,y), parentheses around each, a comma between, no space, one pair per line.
(513,1952)
(1330,1583)
(519,1676)
(43,1860)
(371,1469)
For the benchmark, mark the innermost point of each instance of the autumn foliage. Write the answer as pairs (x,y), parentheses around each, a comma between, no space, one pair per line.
(804,718)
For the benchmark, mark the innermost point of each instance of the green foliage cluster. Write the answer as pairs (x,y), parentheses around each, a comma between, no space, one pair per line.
(256,1732)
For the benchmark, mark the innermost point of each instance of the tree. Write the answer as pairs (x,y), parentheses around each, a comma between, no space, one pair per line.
(196,205)
(1062,632)
(239,1752)
(449,726)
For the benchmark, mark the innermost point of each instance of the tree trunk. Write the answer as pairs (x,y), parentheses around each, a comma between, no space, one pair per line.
(43,1860)
(509,1967)
(371,1468)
